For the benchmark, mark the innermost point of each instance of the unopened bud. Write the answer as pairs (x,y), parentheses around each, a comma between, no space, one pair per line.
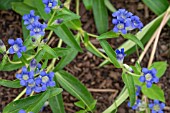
(2,47)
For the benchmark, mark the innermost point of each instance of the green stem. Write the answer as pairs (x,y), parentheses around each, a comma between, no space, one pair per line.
(77,6)
(92,35)
(20,95)
(49,22)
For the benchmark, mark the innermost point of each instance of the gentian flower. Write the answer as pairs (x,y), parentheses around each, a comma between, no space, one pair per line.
(125,21)
(149,77)
(49,4)
(120,55)
(137,104)
(157,107)
(23,111)
(37,29)
(16,47)
(25,76)
(138,89)
(29,19)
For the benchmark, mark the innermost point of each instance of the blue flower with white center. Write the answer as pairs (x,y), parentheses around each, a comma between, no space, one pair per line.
(29,19)
(157,107)
(16,46)
(46,80)
(23,111)
(122,14)
(37,29)
(138,89)
(25,76)
(49,4)
(120,55)
(149,77)
(137,104)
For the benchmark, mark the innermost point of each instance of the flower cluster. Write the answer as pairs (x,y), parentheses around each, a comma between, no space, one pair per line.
(125,21)
(120,55)
(49,4)
(32,83)
(156,107)
(16,47)
(23,111)
(35,27)
(149,77)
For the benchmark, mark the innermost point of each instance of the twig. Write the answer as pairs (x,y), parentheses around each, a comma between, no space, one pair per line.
(102,90)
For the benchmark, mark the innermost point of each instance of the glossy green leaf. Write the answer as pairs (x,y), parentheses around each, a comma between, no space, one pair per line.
(22,8)
(74,87)
(49,50)
(30,3)
(33,103)
(90,47)
(100,16)
(107,35)
(119,100)
(10,84)
(109,51)
(88,4)
(80,104)
(109,5)
(66,35)
(154,92)
(56,102)
(40,55)
(129,83)
(11,67)
(6,4)
(160,67)
(74,24)
(40,7)
(134,39)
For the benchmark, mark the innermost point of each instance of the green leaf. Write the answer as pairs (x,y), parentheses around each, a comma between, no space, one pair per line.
(25,31)
(88,4)
(107,35)
(160,67)
(11,67)
(100,16)
(10,84)
(49,50)
(66,35)
(120,99)
(74,24)
(74,87)
(109,51)
(56,102)
(90,47)
(6,4)
(40,7)
(134,39)
(30,3)
(66,59)
(154,92)
(22,8)
(80,104)
(109,5)
(129,83)
(4,62)
(33,103)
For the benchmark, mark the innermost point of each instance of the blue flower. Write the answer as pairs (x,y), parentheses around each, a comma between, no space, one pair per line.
(137,104)
(149,77)
(23,111)
(157,107)
(31,86)
(49,4)
(120,55)
(16,47)
(46,80)
(138,89)
(125,21)
(25,76)
(37,29)
(29,19)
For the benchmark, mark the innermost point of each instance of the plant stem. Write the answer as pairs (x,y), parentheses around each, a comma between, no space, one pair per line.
(20,95)
(77,6)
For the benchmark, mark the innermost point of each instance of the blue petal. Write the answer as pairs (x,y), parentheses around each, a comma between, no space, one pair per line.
(142,79)
(32,12)
(149,84)
(28,91)
(24,69)
(22,111)
(156,101)
(18,76)
(51,74)
(38,81)
(145,70)
(153,111)
(11,50)
(19,54)
(43,73)
(11,41)
(23,83)
(38,89)
(47,10)
(156,80)
(45,1)
(160,111)
(115,29)
(162,105)
(154,71)
(52,84)
(124,31)
(44,87)
(151,106)
(19,41)
(23,49)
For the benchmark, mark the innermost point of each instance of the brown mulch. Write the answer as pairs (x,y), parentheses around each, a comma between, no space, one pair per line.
(84,66)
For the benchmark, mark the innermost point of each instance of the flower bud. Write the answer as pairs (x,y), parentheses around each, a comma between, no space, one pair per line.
(2,47)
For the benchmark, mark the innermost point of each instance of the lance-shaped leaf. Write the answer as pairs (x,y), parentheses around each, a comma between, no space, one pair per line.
(88,4)
(10,84)
(75,88)
(107,35)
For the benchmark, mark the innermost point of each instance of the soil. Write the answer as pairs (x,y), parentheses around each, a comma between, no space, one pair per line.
(84,66)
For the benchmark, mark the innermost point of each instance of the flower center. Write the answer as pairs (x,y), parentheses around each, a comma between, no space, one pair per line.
(50,5)
(31,20)
(120,26)
(25,77)
(16,47)
(31,84)
(156,107)
(148,76)
(45,79)
(37,29)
